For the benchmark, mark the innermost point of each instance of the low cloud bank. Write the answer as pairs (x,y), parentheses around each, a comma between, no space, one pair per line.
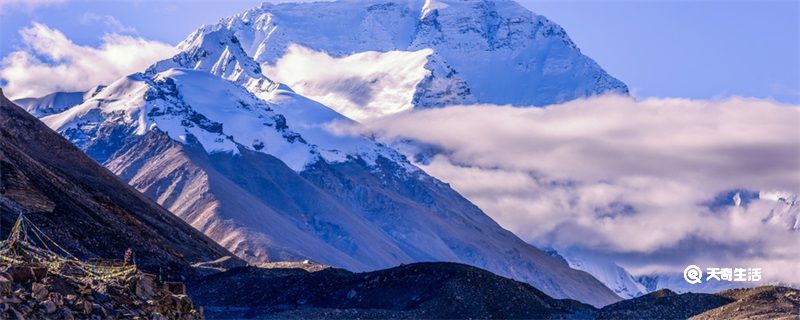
(635,180)
(51,62)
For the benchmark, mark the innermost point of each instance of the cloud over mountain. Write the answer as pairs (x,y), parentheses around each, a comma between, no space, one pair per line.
(51,62)
(626,177)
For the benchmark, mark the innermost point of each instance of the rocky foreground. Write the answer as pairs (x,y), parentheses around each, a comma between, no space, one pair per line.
(452,291)
(766,302)
(28,292)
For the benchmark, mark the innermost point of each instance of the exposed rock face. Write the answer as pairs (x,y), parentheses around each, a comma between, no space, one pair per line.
(420,290)
(29,292)
(83,206)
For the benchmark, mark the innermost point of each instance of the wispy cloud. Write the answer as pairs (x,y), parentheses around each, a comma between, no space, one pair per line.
(113,25)
(51,62)
(626,177)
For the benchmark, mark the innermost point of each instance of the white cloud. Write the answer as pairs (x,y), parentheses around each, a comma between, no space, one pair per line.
(51,62)
(360,86)
(629,178)
(109,21)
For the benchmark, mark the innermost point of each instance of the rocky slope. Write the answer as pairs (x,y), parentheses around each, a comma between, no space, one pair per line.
(84,207)
(768,302)
(29,292)
(662,304)
(445,52)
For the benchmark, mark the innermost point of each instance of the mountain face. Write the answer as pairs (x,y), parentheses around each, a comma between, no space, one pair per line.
(265,177)
(84,207)
(407,54)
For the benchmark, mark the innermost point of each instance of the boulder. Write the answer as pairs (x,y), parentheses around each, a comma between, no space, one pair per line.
(39,291)
(176,287)
(26,274)
(49,306)
(144,286)
(6,284)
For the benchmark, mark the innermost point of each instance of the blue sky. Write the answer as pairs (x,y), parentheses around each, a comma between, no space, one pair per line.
(706,49)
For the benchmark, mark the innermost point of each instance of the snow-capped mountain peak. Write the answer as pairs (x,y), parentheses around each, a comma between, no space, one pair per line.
(220,53)
(480,51)
(195,106)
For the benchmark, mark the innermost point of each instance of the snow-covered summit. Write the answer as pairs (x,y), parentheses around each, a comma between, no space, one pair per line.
(197,107)
(498,51)
(219,53)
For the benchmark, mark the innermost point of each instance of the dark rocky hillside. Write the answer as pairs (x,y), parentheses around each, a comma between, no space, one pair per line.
(420,290)
(84,207)
(767,302)
(439,290)
(662,304)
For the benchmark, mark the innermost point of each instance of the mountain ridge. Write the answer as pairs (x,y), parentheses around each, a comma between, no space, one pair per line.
(83,206)
(374,190)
